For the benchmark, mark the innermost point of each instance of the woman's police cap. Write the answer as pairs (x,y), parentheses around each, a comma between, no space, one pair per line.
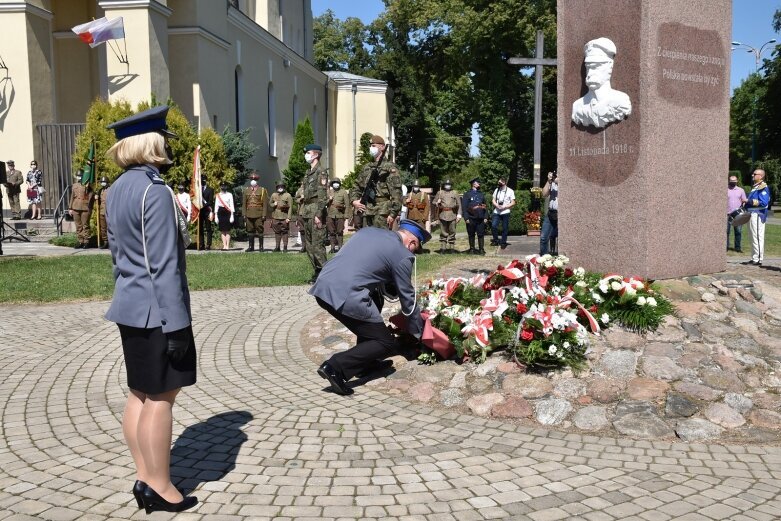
(416,230)
(150,120)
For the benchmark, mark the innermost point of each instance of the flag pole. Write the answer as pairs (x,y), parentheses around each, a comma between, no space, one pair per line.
(94,182)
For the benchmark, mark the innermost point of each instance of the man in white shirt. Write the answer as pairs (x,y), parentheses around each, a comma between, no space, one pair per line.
(503,200)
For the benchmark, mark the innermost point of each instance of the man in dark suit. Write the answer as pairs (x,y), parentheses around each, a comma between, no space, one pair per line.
(351,288)
(206,216)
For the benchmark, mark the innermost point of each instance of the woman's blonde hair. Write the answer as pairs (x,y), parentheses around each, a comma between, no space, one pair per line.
(141,149)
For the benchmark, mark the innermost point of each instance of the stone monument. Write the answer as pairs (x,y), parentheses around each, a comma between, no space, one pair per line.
(643,130)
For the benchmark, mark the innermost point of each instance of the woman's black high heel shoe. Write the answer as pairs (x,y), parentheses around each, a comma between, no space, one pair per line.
(138,492)
(153,502)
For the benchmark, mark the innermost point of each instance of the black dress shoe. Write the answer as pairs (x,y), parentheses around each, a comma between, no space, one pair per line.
(138,492)
(338,383)
(154,503)
(376,367)
(249,249)
(739,250)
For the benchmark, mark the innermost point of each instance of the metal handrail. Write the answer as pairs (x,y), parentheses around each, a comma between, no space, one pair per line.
(61,210)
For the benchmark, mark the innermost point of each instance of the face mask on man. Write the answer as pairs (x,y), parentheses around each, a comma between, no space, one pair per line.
(501,184)
(223,189)
(281,190)
(309,157)
(181,189)
(374,151)
(104,185)
(447,187)
(416,189)
(336,186)
(253,183)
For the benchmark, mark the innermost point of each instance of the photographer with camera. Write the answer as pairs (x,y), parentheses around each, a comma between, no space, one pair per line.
(550,226)
(503,200)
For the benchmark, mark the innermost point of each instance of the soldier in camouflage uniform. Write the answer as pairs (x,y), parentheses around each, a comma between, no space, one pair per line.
(254,207)
(418,206)
(281,213)
(313,206)
(338,201)
(449,205)
(383,203)
(79,209)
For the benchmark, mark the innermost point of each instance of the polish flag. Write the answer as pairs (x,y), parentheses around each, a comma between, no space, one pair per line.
(98,31)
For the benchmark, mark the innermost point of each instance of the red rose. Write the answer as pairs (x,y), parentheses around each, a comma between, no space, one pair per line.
(593,308)
(551,271)
(521,308)
(527,335)
(568,272)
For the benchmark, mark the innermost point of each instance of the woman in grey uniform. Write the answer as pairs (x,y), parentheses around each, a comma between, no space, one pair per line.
(151,303)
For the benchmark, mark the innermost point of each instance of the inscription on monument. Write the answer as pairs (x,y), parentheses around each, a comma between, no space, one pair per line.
(691,64)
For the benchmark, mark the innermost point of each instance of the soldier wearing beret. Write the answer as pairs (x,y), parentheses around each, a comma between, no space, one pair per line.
(254,204)
(338,202)
(101,199)
(13,186)
(314,199)
(449,205)
(79,209)
(281,212)
(147,236)
(379,202)
(475,214)
(418,205)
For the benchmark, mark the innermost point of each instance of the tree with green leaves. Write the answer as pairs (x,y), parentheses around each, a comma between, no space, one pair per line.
(340,45)
(239,151)
(297,167)
(363,159)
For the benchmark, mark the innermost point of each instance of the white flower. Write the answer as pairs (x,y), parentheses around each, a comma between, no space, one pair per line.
(564,259)
(580,272)
(604,318)
(603,288)
(581,284)
(556,290)
(558,263)
(566,345)
(560,355)
(597,298)
(552,350)
(615,285)
(651,302)
(641,301)
(630,290)
(546,257)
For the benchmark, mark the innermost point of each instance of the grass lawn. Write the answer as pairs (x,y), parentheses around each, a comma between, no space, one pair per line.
(88,277)
(772,242)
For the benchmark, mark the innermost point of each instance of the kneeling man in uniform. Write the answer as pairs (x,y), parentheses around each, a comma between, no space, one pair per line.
(351,288)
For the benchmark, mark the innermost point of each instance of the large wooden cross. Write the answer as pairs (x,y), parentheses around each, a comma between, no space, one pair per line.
(538,62)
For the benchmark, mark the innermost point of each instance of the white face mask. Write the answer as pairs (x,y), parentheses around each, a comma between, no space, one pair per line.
(336,186)
(104,185)
(416,189)
(374,151)
(253,183)
(281,190)
(309,157)
(447,187)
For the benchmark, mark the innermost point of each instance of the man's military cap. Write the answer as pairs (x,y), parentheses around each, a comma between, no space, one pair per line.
(377,140)
(416,183)
(447,182)
(10,162)
(599,50)
(254,175)
(281,182)
(416,230)
(313,146)
(336,182)
(475,180)
(150,120)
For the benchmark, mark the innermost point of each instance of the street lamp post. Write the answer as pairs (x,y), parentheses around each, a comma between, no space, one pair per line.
(757,52)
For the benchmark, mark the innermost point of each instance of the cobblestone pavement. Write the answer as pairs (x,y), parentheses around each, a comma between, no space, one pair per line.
(259,438)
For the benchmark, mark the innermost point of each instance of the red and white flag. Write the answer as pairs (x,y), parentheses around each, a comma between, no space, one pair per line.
(101,30)
(196,192)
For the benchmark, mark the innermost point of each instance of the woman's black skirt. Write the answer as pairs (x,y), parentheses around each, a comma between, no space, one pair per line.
(225,220)
(148,368)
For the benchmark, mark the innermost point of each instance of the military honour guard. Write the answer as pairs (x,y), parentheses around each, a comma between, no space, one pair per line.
(448,205)
(338,202)
(254,204)
(13,186)
(314,199)
(101,198)
(281,212)
(476,216)
(79,209)
(418,205)
(377,191)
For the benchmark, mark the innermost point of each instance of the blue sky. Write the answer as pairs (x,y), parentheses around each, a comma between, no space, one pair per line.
(750,25)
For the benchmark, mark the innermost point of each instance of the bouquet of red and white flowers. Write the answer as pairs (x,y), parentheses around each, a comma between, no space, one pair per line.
(540,309)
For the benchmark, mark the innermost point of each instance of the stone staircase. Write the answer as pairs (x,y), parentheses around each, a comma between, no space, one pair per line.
(37,231)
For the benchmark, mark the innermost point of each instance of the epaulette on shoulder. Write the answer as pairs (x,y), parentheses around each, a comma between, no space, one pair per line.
(154,176)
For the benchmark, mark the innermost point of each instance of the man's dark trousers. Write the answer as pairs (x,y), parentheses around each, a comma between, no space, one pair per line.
(504,221)
(205,231)
(374,342)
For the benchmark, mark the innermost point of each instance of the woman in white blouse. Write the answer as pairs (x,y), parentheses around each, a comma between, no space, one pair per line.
(224,215)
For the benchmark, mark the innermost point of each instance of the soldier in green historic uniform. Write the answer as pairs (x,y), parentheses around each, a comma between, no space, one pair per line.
(313,208)
(101,198)
(79,209)
(449,204)
(382,202)
(338,202)
(281,212)
(418,205)
(13,186)
(254,206)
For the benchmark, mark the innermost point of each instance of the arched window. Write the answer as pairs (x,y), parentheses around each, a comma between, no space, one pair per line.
(295,112)
(239,96)
(272,121)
